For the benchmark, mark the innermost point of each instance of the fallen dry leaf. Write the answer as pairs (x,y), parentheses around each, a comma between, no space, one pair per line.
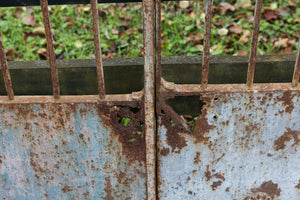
(296,20)
(223,31)
(70,21)
(245,37)
(27,34)
(292,42)
(18,12)
(243,4)
(29,20)
(270,14)
(224,6)
(285,50)
(199,47)
(78,44)
(80,8)
(194,38)
(125,17)
(102,13)
(109,55)
(192,15)
(184,4)
(282,42)
(125,24)
(273,5)
(12,54)
(39,31)
(292,3)
(29,10)
(284,11)
(236,29)
(114,31)
(43,52)
(242,53)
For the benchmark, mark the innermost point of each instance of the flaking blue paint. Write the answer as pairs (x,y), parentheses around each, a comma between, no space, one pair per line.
(69,165)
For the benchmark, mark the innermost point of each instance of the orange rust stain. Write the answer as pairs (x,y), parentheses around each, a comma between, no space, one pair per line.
(287,98)
(197,158)
(174,140)
(207,173)
(269,188)
(133,144)
(298,186)
(164,151)
(286,137)
(108,190)
(216,184)
(67,188)
(201,128)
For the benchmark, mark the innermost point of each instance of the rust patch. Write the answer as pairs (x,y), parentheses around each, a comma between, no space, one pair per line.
(131,136)
(298,186)
(207,173)
(216,184)
(108,190)
(197,158)
(219,176)
(287,98)
(269,188)
(174,140)
(67,188)
(286,137)
(201,128)
(164,152)
(176,125)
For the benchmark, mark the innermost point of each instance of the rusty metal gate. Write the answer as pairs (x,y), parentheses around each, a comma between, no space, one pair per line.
(243,145)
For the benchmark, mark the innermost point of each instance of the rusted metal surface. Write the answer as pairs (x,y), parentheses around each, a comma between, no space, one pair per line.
(245,145)
(206,43)
(158,45)
(50,48)
(98,53)
(296,75)
(149,95)
(72,151)
(255,33)
(5,71)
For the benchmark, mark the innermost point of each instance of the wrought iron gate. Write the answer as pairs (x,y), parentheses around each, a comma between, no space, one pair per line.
(244,144)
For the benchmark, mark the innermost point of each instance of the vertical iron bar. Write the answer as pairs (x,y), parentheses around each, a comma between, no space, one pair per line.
(296,75)
(50,47)
(5,71)
(98,52)
(149,95)
(206,44)
(255,33)
(158,47)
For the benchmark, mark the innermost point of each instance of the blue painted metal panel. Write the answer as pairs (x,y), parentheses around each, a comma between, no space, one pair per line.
(68,151)
(244,146)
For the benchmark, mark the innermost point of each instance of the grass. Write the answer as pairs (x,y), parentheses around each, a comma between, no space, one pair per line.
(122,31)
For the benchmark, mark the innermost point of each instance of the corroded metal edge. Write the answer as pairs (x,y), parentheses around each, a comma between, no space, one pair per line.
(255,34)
(134,97)
(149,95)
(98,52)
(50,48)
(297,69)
(206,43)
(5,71)
(170,89)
